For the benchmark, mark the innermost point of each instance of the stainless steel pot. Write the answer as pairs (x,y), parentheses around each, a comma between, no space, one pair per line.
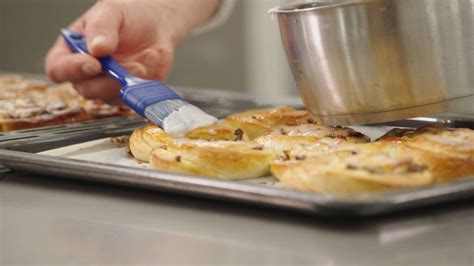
(367,61)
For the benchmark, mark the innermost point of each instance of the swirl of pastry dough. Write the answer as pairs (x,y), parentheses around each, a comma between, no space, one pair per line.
(223,150)
(309,139)
(357,170)
(236,127)
(451,150)
(256,123)
(144,140)
(233,160)
(225,159)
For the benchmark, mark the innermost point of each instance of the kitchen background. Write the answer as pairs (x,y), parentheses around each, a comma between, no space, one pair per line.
(244,55)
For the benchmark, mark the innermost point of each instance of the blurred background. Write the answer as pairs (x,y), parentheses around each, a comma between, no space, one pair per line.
(244,55)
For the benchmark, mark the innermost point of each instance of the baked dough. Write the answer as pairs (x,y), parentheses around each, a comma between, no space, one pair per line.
(225,159)
(402,158)
(144,140)
(226,145)
(218,131)
(301,140)
(307,156)
(256,123)
(233,160)
(28,103)
(451,150)
(357,170)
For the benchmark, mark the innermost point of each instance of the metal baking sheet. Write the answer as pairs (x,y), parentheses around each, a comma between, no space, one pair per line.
(86,162)
(212,101)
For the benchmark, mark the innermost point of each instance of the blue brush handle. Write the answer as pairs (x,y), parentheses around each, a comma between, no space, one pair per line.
(77,43)
(137,93)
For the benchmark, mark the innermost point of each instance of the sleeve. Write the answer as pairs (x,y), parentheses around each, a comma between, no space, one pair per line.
(223,13)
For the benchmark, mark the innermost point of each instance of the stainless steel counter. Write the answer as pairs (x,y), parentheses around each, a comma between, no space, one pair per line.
(51,221)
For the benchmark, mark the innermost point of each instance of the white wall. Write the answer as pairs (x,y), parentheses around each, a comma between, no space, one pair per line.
(266,68)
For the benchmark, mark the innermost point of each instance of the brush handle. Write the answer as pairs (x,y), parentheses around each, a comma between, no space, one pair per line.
(136,93)
(77,43)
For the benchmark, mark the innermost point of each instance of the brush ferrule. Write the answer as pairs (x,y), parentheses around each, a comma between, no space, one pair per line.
(139,97)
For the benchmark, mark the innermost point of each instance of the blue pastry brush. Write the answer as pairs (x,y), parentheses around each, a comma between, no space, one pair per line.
(148,98)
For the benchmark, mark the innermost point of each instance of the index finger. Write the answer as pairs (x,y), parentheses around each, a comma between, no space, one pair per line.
(63,65)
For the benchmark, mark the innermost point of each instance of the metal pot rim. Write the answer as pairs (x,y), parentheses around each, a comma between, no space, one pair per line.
(323,5)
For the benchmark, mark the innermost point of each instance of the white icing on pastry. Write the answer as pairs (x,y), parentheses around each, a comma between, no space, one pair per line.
(186,119)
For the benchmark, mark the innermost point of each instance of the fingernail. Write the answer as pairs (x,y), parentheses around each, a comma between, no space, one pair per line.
(90,69)
(98,40)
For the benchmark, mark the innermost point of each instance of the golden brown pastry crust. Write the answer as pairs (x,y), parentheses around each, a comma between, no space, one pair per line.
(26,103)
(290,139)
(259,122)
(224,141)
(144,140)
(218,131)
(438,152)
(225,159)
(357,170)
(219,159)
(312,157)
(225,152)
(451,150)
(35,122)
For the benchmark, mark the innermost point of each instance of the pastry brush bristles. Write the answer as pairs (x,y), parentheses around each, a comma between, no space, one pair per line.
(158,112)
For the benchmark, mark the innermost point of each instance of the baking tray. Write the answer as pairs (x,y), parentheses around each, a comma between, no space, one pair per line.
(216,102)
(254,192)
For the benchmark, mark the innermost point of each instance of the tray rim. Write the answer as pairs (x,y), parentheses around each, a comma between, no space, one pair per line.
(307,202)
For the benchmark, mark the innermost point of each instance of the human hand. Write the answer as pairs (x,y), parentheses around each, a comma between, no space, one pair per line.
(142,35)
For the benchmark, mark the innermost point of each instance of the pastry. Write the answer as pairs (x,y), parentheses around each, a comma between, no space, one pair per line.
(144,140)
(224,152)
(256,123)
(357,170)
(305,155)
(225,159)
(451,150)
(233,160)
(27,103)
(307,137)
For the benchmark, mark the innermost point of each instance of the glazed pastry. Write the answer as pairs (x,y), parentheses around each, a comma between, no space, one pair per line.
(307,137)
(452,150)
(27,103)
(224,151)
(256,123)
(307,156)
(144,140)
(233,160)
(357,170)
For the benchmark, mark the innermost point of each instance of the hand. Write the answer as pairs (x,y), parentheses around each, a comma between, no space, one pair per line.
(141,34)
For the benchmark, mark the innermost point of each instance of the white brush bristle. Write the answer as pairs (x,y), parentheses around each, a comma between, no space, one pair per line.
(178,117)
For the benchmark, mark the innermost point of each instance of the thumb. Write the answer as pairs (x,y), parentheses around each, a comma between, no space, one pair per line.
(102,27)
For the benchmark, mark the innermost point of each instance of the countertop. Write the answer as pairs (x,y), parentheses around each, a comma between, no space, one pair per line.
(51,221)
